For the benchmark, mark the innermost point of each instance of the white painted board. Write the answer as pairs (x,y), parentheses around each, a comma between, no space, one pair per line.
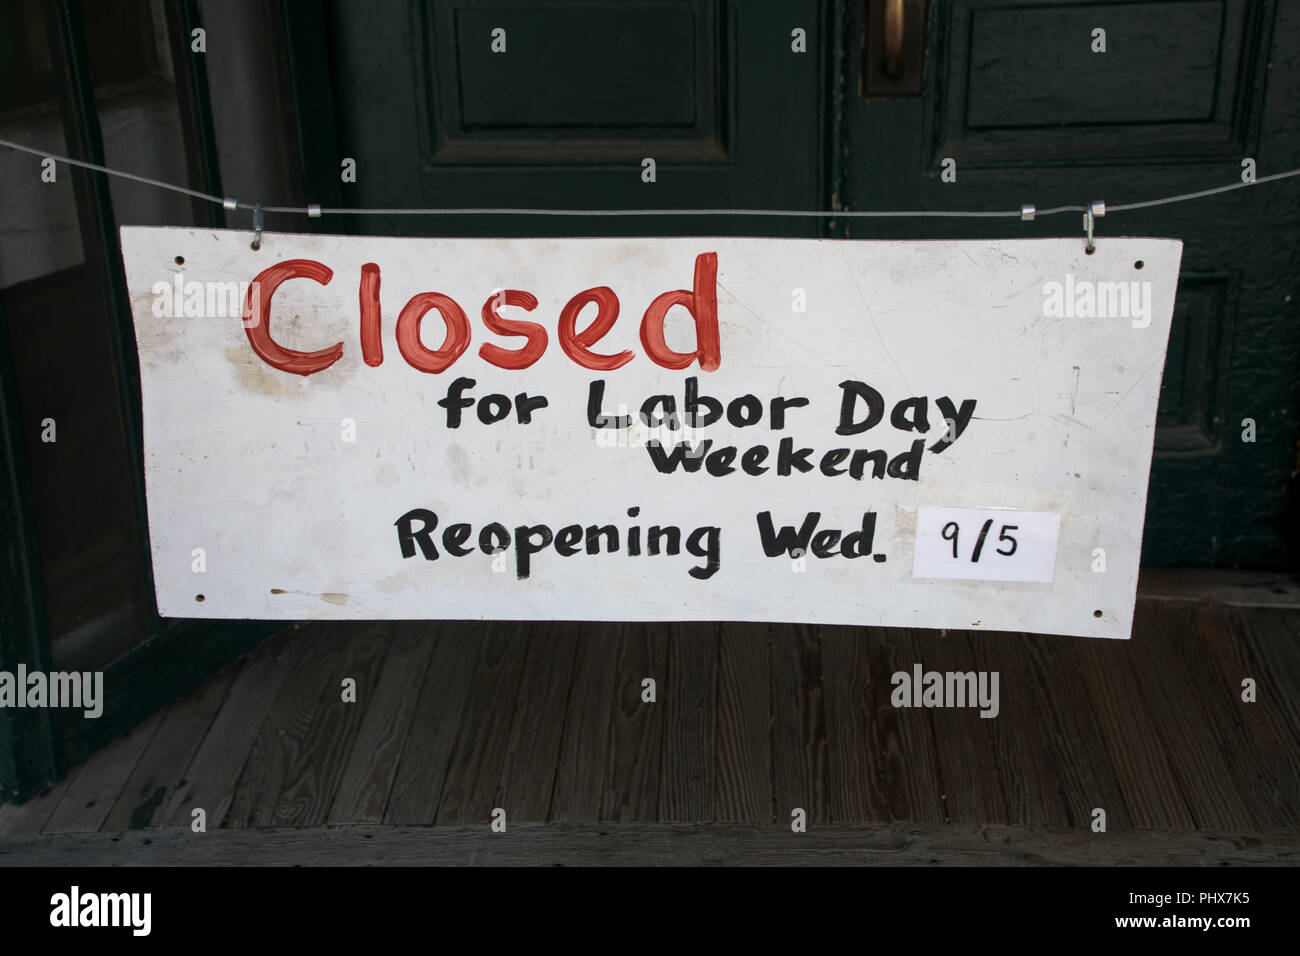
(277,495)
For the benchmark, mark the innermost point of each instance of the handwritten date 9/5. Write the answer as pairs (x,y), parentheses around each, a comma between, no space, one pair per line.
(986,544)
(952,531)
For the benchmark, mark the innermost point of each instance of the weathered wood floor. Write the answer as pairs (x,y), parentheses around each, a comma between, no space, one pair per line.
(546,721)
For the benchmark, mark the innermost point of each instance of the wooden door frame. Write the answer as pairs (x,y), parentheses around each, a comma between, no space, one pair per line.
(37,745)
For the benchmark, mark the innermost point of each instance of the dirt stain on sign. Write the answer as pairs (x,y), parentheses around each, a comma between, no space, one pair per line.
(460,468)
(329,597)
(255,375)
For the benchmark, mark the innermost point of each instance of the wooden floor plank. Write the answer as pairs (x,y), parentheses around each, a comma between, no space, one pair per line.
(1264,722)
(584,747)
(744,775)
(855,769)
(297,756)
(631,787)
(1084,769)
(690,724)
(1148,782)
(162,765)
(371,766)
(417,785)
(1026,763)
(30,816)
(314,750)
(658,844)
(213,774)
(1253,768)
(1177,708)
(908,752)
(473,781)
(532,753)
(90,796)
(1171,666)
(1273,638)
(967,761)
(798,724)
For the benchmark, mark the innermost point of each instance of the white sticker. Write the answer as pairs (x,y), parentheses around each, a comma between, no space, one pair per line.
(986,544)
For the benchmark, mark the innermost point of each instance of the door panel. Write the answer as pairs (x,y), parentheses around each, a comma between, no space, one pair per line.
(564,117)
(529,84)
(1179,81)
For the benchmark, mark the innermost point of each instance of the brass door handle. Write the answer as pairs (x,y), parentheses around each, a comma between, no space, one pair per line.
(893,47)
(895,30)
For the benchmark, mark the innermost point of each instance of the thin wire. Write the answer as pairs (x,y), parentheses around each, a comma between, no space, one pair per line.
(112,172)
(783,213)
(1204,192)
(918,213)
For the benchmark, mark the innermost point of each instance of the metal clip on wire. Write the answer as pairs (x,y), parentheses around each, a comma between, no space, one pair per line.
(1096,210)
(257,227)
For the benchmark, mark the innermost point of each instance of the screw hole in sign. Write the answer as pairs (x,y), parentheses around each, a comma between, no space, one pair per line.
(1090,251)
(199,598)
(1096,613)
(180,260)
(1139,264)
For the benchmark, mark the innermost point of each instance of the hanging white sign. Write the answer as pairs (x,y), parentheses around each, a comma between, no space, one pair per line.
(923,434)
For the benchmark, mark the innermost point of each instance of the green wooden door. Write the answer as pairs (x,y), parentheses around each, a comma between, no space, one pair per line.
(1184,91)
